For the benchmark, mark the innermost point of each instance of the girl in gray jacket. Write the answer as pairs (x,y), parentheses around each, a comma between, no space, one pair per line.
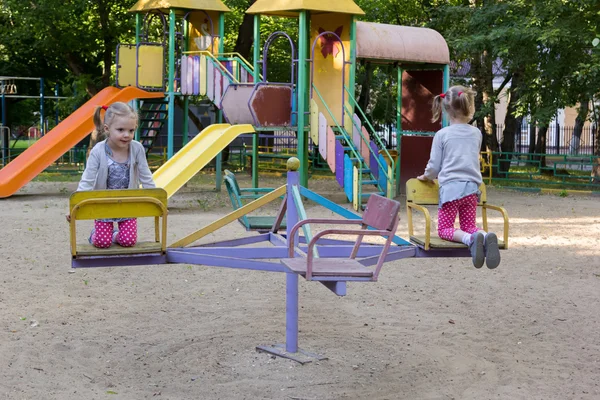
(454,161)
(118,162)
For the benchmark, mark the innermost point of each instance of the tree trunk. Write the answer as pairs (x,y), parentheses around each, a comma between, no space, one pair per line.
(108,39)
(245,38)
(365,89)
(540,147)
(512,126)
(479,86)
(532,131)
(582,114)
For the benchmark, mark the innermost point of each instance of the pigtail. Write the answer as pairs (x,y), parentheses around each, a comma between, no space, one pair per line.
(465,100)
(436,107)
(97,133)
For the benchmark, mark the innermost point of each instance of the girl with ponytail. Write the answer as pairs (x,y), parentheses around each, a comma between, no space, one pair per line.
(115,162)
(454,161)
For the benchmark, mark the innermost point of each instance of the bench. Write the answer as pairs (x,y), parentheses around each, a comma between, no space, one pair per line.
(237,195)
(127,203)
(420,194)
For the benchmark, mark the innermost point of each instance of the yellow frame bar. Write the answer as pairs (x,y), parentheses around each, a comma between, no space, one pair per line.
(75,209)
(232,216)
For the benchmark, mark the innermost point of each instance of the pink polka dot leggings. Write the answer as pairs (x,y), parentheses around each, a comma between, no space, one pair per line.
(466,208)
(103,233)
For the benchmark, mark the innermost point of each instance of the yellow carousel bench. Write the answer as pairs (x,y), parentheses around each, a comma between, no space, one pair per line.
(127,203)
(421,194)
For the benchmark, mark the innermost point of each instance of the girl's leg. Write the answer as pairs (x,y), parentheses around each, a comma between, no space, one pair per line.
(446,216)
(127,236)
(102,234)
(467,214)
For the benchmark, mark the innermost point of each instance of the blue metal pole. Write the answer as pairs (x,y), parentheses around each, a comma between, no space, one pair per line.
(171,94)
(42,107)
(256,62)
(291,279)
(302,90)
(57,101)
(445,87)
(219,160)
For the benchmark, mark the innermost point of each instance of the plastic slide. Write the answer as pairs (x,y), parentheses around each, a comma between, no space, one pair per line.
(172,175)
(62,138)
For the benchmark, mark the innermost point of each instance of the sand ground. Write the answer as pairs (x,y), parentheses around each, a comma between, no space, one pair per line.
(429,329)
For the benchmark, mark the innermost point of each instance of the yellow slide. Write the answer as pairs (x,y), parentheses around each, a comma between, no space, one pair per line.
(172,175)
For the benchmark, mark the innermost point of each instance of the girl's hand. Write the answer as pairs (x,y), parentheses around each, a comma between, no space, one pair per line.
(68,217)
(423,178)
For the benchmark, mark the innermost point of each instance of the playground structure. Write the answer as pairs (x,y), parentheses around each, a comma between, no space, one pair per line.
(318,103)
(9,89)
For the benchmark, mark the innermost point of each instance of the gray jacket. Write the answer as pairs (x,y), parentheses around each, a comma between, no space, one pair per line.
(455,155)
(95,175)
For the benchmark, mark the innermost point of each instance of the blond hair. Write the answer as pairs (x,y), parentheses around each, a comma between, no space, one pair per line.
(118,109)
(457,102)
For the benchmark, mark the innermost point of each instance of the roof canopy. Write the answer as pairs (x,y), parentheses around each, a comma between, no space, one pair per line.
(400,43)
(291,8)
(163,5)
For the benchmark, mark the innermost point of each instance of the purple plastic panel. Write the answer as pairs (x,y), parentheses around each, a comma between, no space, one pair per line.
(210,80)
(339,163)
(229,66)
(323,136)
(331,149)
(196,75)
(189,77)
(184,84)
(218,87)
(373,161)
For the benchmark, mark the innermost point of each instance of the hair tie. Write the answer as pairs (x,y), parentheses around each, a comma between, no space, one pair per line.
(105,108)
(443,95)
(459,93)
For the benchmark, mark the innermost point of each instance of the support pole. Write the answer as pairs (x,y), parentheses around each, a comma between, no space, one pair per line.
(42,127)
(445,87)
(399,130)
(219,160)
(171,85)
(4,130)
(186,99)
(256,62)
(57,101)
(301,92)
(138,31)
(291,280)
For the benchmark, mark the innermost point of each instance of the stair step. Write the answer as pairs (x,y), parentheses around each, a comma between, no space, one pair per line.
(152,120)
(359,159)
(365,170)
(369,182)
(340,137)
(368,194)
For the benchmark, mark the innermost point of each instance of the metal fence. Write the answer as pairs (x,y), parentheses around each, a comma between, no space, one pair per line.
(559,139)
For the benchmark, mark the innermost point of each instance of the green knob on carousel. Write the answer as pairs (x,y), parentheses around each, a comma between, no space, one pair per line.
(293,164)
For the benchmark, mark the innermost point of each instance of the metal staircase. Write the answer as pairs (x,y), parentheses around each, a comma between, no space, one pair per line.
(153,116)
